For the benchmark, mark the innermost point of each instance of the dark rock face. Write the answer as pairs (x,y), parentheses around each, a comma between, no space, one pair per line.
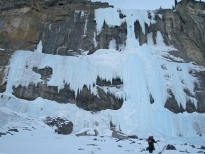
(139,34)
(183,28)
(54,22)
(193,22)
(84,99)
(45,73)
(190,107)
(119,34)
(4,60)
(64,126)
(3,88)
(90,102)
(199,88)
(172,104)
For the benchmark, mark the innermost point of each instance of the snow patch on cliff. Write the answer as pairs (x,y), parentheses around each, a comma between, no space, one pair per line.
(111,17)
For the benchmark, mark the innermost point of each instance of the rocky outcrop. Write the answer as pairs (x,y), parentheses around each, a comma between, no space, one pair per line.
(88,132)
(173,105)
(118,33)
(54,22)
(4,60)
(199,90)
(119,135)
(170,147)
(183,28)
(84,99)
(62,125)
(192,19)
(122,136)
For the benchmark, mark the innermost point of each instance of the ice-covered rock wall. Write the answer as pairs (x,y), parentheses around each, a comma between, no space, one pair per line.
(137,81)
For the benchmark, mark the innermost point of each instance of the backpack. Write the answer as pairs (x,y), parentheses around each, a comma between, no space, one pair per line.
(150,139)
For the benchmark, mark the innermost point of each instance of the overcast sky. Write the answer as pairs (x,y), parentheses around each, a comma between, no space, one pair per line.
(141,4)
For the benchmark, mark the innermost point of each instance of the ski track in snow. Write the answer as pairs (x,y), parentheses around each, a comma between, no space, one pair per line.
(144,70)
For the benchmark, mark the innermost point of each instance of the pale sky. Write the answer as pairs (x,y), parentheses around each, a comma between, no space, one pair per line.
(141,4)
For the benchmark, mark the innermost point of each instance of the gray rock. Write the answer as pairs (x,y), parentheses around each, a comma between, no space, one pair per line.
(86,133)
(45,73)
(119,135)
(64,126)
(200,93)
(201,152)
(151,99)
(133,136)
(56,22)
(3,88)
(191,16)
(13,130)
(2,134)
(170,147)
(202,147)
(172,104)
(192,146)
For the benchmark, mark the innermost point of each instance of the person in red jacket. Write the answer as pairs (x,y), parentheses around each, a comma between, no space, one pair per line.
(151,142)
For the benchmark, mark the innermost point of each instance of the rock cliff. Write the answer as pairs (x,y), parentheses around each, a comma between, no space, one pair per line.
(68,28)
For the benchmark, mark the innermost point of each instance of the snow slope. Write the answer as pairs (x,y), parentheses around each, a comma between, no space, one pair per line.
(144,70)
(35,140)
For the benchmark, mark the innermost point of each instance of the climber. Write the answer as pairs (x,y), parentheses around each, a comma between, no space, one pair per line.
(151,142)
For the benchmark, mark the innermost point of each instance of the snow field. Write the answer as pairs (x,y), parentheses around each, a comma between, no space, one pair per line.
(35,137)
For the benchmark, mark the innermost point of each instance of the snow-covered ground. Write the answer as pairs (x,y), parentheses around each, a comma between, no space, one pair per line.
(34,137)
(144,70)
